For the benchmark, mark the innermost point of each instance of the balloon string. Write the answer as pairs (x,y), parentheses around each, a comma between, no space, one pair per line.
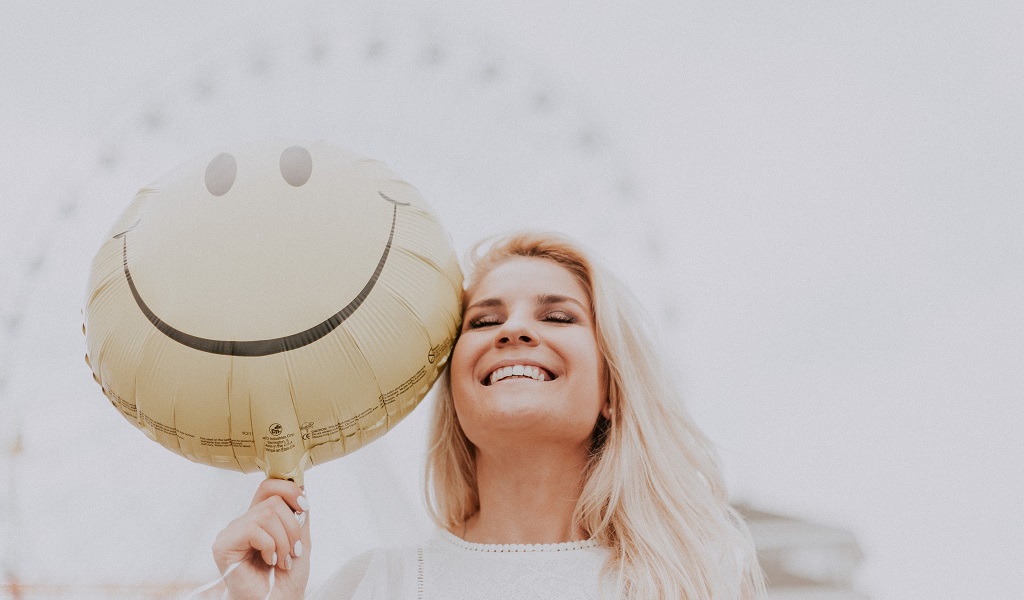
(271,582)
(227,571)
(213,583)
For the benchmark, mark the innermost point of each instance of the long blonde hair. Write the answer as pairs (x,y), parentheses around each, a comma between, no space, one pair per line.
(654,492)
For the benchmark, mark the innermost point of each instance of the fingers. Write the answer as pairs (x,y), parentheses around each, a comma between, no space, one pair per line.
(279,532)
(286,530)
(264,543)
(289,491)
(275,528)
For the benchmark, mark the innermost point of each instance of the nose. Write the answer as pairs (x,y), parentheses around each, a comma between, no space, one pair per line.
(515,331)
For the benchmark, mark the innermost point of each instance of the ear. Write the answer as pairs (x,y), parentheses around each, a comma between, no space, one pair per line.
(606,410)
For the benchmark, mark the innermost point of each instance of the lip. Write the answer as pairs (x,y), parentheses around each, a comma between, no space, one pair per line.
(512,362)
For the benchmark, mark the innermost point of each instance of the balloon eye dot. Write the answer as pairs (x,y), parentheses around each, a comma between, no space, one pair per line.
(220,174)
(296,165)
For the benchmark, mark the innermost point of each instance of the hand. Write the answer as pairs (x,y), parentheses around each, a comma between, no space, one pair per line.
(275,528)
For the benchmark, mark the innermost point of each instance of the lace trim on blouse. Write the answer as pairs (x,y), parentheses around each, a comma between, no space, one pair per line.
(560,547)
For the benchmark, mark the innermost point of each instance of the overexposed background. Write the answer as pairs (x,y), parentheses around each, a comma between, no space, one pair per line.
(822,203)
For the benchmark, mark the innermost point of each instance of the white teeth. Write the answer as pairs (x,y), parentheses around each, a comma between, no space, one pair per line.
(535,373)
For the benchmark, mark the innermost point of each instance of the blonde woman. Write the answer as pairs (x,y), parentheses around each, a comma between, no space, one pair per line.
(561,464)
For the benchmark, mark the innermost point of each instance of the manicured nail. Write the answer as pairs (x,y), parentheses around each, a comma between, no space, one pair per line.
(301,518)
(287,563)
(303,503)
(273,560)
(298,549)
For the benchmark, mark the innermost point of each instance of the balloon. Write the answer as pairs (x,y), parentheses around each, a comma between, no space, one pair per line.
(271,307)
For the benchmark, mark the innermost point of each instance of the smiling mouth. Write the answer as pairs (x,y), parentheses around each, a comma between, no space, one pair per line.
(268,346)
(529,372)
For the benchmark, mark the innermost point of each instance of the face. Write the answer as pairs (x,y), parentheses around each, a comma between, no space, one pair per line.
(527,365)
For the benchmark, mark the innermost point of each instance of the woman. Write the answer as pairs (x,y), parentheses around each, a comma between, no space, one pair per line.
(560,462)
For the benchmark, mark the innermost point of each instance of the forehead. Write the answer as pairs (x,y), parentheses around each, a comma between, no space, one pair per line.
(528,277)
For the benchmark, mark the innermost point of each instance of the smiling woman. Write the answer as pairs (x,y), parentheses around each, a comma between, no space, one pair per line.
(560,465)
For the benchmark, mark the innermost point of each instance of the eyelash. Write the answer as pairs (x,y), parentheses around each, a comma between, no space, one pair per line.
(482,322)
(488,320)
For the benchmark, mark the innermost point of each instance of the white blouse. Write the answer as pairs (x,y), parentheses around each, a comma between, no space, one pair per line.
(450,568)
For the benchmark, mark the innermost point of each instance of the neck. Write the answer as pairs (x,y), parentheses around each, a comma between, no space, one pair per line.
(527,497)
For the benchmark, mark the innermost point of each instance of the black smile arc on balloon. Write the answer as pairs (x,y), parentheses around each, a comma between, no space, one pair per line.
(268,346)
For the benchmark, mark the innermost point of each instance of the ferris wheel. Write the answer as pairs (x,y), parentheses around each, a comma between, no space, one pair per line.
(493,144)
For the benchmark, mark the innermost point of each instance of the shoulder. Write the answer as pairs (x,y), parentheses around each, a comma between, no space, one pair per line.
(377,573)
(343,583)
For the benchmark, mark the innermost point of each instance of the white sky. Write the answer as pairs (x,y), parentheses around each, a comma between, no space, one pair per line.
(836,192)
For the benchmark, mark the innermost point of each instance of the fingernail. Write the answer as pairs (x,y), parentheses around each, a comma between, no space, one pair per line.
(273,560)
(298,549)
(303,503)
(301,518)
(287,563)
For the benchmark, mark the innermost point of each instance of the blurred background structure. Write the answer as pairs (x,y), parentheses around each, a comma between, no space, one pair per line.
(820,204)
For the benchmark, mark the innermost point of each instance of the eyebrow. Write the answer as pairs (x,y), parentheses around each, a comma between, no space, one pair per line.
(487,303)
(557,299)
(541,299)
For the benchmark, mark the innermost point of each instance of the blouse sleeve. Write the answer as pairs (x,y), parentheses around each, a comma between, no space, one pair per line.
(344,583)
(380,574)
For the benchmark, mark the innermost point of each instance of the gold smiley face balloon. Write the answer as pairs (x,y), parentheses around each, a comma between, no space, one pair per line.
(271,307)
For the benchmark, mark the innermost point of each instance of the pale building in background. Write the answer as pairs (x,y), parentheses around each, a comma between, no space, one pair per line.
(804,560)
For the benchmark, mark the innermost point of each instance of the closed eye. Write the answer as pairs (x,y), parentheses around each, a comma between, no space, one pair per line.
(559,317)
(490,320)
(483,321)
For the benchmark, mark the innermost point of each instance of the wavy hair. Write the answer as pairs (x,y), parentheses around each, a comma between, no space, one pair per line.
(653,491)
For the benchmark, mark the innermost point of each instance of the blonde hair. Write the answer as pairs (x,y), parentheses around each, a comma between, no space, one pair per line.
(654,492)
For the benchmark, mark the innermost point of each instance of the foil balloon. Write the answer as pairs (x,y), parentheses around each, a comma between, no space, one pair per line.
(271,307)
